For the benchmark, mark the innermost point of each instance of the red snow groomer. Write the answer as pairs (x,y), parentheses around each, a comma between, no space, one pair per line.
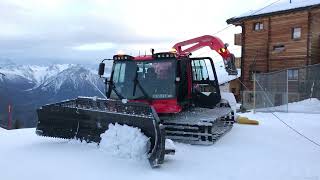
(166,95)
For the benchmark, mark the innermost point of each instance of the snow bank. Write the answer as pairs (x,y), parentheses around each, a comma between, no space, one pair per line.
(125,142)
(307,105)
(270,151)
(311,105)
(2,130)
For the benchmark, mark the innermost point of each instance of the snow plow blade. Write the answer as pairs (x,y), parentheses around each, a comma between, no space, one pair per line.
(87,118)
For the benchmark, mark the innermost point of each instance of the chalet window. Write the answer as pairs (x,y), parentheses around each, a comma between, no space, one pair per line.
(293,74)
(296,33)
(258,26)
(279,48)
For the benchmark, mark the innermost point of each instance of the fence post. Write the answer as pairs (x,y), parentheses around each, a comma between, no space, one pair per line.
(287,90)
(254,93)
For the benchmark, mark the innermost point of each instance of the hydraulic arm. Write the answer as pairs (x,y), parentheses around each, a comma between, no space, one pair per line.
(215,44)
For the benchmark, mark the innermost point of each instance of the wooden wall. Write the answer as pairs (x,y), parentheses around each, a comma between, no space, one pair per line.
(255,48)
(314,49)
(295,51)
(259,45)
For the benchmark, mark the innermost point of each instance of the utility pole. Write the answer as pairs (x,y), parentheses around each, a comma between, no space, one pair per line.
(9,116)
(254,93)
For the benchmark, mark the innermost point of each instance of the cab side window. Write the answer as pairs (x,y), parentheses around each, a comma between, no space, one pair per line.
(205,88)
(202,70)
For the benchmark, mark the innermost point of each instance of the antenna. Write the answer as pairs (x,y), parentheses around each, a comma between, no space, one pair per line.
(145,53)
(139,52)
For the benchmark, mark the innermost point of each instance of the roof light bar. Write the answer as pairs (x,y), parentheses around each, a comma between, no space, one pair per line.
(164,55)
(122,57)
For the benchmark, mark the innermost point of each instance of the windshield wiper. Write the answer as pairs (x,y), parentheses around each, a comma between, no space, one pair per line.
(137,82)
(114,88)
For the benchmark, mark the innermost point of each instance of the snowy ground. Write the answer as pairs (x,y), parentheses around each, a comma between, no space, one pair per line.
(311,105)
(268,151)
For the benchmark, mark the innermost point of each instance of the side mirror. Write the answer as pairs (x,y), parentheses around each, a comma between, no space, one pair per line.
(101,69)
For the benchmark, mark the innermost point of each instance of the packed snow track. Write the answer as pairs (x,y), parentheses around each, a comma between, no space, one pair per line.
(268,151)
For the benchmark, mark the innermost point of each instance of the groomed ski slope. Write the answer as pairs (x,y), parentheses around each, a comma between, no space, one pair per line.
(268,151)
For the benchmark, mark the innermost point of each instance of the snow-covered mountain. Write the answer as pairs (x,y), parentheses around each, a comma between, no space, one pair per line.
(27,87)
(76,75)
(34,74)
(70,83)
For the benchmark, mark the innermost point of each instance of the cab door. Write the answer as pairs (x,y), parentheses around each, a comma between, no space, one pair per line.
(205,86)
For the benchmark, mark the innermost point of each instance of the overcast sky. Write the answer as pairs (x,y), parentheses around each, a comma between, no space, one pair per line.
(83,31)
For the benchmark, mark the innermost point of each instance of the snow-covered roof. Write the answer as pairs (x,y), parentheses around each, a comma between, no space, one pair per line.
(281,6)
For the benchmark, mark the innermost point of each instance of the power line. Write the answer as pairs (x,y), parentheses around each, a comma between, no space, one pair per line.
(242,83)
(223,29)
(296,131)
(98,90)
(286,124)
(282,121)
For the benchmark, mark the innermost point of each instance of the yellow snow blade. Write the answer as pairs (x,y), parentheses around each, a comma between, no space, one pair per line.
(245,120)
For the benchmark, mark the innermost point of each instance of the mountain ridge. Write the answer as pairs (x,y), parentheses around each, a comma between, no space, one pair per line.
(28,87)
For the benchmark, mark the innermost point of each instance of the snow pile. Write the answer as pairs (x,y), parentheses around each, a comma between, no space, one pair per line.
(169,144)
(265,152)
(223,76)
(125,142)
(2,130)
(307,105)
(311,105)
(124,101)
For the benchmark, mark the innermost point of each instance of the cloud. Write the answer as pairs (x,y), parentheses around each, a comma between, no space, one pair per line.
(95,46)
(87,29)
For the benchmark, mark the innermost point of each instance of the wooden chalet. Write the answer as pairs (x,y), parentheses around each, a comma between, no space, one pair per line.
(280,36)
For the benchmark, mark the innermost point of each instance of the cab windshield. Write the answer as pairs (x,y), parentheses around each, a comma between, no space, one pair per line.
(144,79)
